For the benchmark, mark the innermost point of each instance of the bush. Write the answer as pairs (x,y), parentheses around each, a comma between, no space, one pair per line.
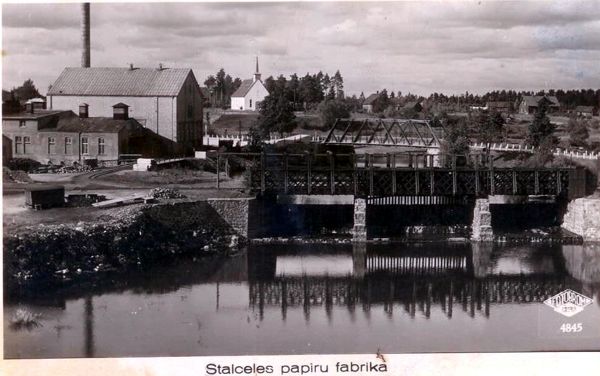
(330,110)
(23,164)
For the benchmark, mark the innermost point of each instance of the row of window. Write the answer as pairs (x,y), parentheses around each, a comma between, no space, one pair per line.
(23,145)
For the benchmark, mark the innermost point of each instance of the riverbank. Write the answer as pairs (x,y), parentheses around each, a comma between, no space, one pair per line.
(128,237)
(144,235)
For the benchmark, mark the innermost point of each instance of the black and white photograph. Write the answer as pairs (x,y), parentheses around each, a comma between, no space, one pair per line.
(207,179)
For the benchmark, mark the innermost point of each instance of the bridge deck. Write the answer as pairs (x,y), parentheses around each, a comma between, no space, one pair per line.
(329,174)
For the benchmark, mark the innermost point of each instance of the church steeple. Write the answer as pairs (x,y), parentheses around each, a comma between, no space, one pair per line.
(257,73)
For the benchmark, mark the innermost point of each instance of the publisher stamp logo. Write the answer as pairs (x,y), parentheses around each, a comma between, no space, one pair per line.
(568,302)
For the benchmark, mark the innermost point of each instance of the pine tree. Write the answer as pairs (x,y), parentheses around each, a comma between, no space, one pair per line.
(338,81)
(540,128)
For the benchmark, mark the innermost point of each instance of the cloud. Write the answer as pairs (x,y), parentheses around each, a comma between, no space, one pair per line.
(41,16)
(420,47)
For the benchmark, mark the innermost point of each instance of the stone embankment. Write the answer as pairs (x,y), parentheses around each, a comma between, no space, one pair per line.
(140,236)
(583,218)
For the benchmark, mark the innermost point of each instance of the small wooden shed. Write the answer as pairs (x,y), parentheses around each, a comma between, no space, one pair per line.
(45,196)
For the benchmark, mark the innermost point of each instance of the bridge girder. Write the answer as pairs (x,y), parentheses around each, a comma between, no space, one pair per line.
(390,132)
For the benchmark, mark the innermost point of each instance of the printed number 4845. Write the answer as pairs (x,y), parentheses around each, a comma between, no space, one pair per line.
(571,328)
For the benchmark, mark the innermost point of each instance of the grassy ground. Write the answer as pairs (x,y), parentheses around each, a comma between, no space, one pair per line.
(232,123)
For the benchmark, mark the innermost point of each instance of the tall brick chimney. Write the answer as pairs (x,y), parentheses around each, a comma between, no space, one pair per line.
(85,35)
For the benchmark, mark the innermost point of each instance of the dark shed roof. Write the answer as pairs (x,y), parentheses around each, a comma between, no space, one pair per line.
(76,124)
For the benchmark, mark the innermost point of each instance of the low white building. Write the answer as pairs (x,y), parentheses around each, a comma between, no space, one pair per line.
(250,93)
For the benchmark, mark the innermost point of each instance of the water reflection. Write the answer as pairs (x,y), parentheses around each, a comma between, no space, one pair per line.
(239,305)
(412,279)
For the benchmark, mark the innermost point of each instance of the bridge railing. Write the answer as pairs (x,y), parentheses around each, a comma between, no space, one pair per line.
(401,174)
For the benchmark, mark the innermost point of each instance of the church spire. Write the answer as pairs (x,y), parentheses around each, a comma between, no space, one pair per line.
(257,73)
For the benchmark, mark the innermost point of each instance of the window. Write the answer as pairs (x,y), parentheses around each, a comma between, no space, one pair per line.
(68,145)
(26,144)
(250,103)
(84,145)
(22,123)
(190,111)
(100,145)
(51,145)
(18,145)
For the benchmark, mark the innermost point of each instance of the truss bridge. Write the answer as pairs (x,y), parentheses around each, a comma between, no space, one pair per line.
(392,132)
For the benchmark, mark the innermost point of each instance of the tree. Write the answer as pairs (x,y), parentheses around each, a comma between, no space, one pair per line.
(338,84)
(361,98)
(276,112)
(382,101)
(330,110)
(294,89)
(541,127)
(310,89)
(578,132)
(456,141)
(491,126)
(220,85)
(26,91)
(210,81)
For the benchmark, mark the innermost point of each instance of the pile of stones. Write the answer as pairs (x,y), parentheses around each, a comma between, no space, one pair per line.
(165,193)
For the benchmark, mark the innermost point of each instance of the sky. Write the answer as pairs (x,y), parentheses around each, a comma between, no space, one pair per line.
(419,47)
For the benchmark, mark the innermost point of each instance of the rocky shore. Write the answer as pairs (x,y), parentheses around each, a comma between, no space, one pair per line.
(139,236)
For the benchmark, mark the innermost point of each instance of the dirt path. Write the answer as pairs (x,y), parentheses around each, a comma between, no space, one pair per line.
(110,182)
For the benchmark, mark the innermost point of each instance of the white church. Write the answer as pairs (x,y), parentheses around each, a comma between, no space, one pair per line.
(249,94)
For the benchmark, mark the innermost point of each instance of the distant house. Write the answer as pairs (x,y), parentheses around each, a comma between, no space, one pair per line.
(413,106)
(250,93)
(369,102)
(36,104)
(586,111)
(167,101)
(63,137)
(499,106)
(530,103)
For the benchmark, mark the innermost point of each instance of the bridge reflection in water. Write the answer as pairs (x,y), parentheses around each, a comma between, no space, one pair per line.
(277,299)
(464,279)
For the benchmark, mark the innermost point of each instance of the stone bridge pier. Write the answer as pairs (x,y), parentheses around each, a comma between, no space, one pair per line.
(482,221)
(359,231)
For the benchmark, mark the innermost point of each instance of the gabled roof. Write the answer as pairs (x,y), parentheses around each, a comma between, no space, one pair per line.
(371,98)
(243,89)
(534,100)
(412,104)
(166,82)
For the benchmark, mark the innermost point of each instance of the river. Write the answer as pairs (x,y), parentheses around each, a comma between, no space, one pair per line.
(307,299)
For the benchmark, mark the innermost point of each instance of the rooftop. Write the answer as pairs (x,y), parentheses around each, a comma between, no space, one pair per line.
(371,98)
(533,100)
(243,89)
(76,124)
(120,81)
